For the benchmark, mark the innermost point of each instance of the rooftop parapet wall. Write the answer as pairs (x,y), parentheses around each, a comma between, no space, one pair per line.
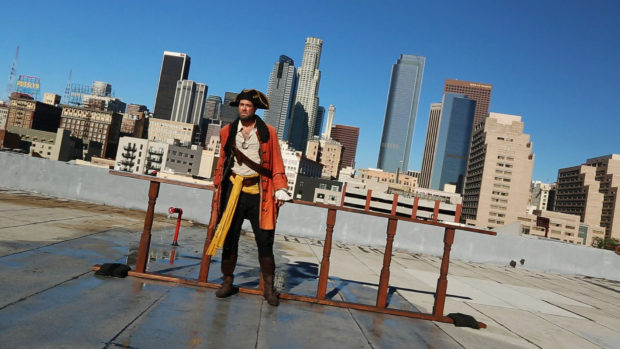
(63,180)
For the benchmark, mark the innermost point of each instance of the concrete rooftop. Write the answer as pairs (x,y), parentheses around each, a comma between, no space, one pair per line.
(49,297)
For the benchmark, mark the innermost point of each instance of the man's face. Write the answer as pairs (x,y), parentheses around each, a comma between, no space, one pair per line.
(246,109)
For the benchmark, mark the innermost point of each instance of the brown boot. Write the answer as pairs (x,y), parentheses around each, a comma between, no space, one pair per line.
(267,267)
(228,268)
(227,289)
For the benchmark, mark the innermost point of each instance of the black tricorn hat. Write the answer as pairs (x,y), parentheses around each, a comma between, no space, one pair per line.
(258,98)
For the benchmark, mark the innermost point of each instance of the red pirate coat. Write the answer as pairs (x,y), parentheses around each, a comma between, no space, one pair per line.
(271,159)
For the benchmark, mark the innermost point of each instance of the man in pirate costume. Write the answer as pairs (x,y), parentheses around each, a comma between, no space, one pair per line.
(250,184)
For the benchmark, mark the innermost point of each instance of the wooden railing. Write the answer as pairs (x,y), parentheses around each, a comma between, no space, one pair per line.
(320,298)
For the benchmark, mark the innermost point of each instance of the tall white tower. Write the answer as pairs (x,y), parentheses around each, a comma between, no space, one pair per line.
(331,112)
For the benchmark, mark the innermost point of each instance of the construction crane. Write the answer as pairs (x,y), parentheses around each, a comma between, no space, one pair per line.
(9,86)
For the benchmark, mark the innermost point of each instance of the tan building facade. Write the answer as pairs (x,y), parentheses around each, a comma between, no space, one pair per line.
(562,226)
(42,144)
(28,113)
(168,131)
(499,172)
(326,152)
(93,127)
(591,191)
(51,98)
(392,182)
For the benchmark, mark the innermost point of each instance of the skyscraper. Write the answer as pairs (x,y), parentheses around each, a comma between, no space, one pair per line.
(429,145)
(318,122)
(479,92)
(281,92)
(400,113)
(229,114)
(331,113)
(213,107)
(189,102)
(453,141)
(306,100)
(174,67)
(499,172)
(591,191)
(347,136)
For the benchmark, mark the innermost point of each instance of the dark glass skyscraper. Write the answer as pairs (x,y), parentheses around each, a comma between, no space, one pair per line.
(400,113)
(478,91)
(453,141)
(281,92)
(174,67)
(229,114)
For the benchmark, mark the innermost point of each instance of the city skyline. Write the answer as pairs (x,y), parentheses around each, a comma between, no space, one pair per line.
(529,59)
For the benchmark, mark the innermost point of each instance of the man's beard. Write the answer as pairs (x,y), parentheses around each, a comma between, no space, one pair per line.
(247,118)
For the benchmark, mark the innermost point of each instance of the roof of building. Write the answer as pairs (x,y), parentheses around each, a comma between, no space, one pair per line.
(51,297)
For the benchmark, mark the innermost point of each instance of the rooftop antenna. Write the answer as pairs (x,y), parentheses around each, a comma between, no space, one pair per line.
(9,86)
(68,89)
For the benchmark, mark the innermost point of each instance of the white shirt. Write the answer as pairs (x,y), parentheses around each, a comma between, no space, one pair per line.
(251,149)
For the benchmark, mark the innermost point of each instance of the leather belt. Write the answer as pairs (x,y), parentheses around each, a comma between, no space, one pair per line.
(247,182)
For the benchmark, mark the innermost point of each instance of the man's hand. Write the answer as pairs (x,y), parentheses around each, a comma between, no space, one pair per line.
(282,196)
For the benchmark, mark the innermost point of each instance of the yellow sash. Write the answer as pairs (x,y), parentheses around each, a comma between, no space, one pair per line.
(229,212)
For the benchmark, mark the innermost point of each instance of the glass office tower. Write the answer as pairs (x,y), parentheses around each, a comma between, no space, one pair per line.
(453,141)
(400,113)
(174,67)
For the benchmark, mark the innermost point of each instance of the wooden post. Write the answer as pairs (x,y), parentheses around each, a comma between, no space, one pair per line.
(414,210)
(394,205)
(387,259)
(344,194)
(145,239)
(442,282)
(436,211)
(457,214)
(368,198)
(327,249)
(206,259)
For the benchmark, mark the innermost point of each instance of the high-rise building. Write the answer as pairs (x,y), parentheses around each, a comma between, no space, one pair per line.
(499,172)
(479,92)
(281,92)
(98,130)
(318,122)
(306,103)
(348,137)
(327,152)
(591,191)
(400,113)
(174,67)
(453,140)
(173,132)
(229,113)
(26,112)
(429,146)
(189,102)
(4,113)
(539,195)
(213,107)
(331,113)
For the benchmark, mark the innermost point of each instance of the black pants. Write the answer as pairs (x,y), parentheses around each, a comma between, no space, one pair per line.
(248,207)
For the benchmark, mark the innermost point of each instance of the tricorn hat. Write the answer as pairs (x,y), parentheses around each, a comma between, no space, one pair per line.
(258,98)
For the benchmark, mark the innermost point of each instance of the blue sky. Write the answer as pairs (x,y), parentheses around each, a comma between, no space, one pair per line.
(555,63)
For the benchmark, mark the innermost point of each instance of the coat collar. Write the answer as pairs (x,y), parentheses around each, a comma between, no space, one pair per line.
(261,128)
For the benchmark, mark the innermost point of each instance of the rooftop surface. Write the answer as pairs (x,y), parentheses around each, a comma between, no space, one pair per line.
(50,297)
